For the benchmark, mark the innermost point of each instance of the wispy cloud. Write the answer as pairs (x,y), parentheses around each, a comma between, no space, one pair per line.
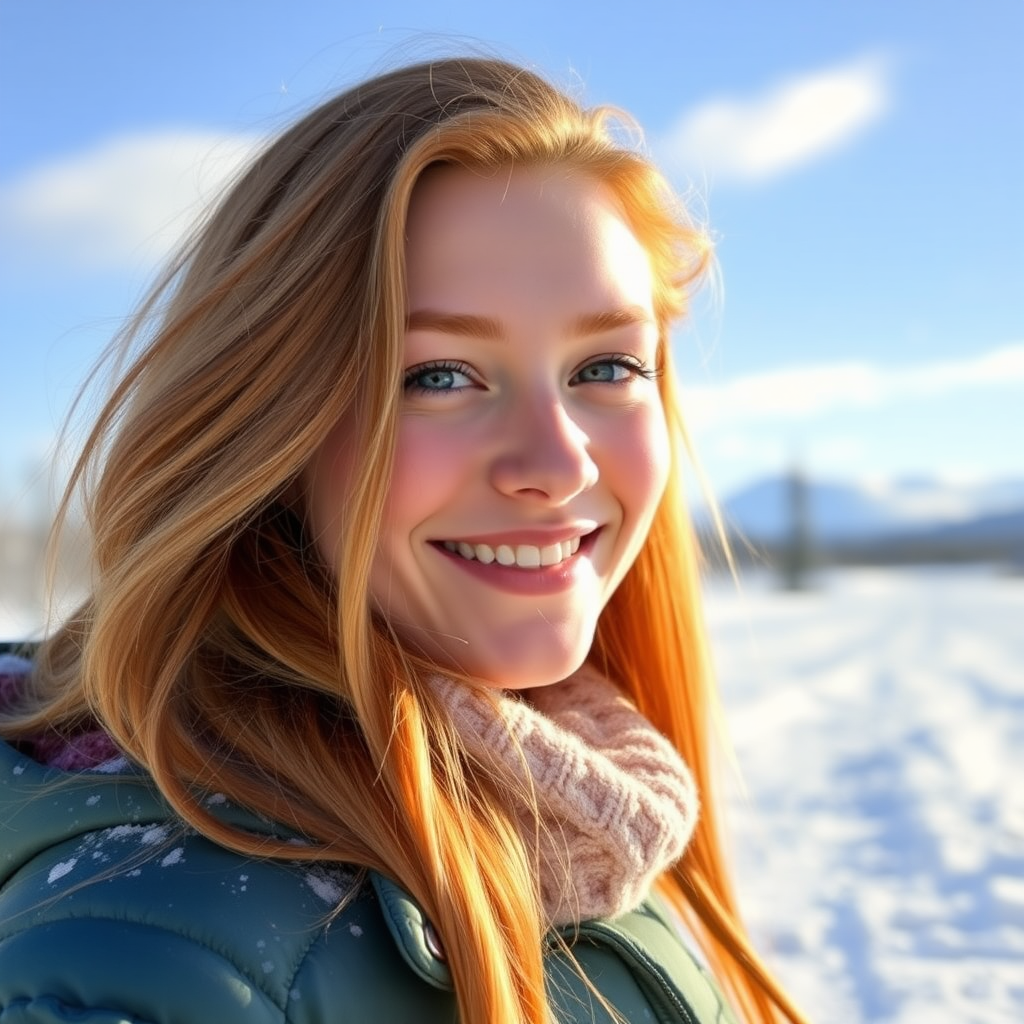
(803,392)
(793,123)
(124,203)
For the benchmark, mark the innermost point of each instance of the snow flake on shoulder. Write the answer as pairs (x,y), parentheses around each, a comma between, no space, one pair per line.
(331,884)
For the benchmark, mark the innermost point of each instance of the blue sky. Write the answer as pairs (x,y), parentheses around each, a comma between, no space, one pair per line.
(860,164)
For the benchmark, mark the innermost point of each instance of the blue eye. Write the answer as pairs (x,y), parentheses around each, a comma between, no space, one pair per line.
(437,378)
(602,373)
(618,369)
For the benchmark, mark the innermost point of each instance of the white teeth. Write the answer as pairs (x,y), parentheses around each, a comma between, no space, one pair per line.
(551,555)
(505,555)
(525,556)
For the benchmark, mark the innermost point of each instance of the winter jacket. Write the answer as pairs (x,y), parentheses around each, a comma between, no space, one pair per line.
(111,911)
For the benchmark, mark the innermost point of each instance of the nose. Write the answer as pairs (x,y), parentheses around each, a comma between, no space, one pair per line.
(544,454)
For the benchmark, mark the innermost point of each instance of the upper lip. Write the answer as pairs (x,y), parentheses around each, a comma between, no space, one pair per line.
(537,536)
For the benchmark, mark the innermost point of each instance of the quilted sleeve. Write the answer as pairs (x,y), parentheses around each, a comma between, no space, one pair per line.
(103,971)
(154,925)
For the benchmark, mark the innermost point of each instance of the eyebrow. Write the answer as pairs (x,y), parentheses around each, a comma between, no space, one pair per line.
(610,320)
(489,329)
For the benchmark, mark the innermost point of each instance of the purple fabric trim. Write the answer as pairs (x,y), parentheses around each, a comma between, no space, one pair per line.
(76,753)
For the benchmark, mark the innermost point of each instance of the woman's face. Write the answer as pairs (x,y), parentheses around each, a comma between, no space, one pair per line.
(532,449)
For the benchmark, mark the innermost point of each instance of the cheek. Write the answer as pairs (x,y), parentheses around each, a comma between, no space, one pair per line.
(638,462)
(429,477)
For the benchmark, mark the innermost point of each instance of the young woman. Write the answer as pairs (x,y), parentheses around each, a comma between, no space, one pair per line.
(390,699)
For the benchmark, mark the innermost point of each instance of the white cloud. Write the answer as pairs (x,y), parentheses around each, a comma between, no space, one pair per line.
(803,392)
(125,203)
(793,123)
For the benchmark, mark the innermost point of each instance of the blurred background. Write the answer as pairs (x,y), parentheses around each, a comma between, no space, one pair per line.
(855,387)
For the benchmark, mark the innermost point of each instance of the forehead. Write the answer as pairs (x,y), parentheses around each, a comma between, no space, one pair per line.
(537,233)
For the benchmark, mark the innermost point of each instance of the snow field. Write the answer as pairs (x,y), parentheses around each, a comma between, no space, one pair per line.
(878,722)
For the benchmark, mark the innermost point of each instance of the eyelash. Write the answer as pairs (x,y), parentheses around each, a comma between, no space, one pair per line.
(449,365)
(626,361)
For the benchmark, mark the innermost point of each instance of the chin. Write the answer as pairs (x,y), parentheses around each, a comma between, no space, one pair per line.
(527,673)
(510,656)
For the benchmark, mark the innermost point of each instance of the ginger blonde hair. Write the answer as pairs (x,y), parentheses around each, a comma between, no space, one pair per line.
(218,651)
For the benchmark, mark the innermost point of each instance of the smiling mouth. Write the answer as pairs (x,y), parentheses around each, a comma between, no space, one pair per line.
(522,556)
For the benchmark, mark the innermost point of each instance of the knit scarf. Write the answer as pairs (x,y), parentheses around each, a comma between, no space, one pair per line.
(616,805)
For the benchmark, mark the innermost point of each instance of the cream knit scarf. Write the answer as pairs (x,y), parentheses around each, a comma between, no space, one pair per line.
(617,804)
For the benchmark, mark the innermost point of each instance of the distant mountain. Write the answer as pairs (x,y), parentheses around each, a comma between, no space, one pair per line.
(1000,527)
(841,513)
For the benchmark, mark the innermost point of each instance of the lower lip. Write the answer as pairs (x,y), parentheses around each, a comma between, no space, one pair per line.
(549,579)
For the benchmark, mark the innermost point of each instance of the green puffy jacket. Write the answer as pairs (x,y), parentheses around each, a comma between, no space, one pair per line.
(112,912)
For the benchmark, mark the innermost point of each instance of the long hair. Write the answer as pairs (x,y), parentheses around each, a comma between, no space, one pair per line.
(217,649)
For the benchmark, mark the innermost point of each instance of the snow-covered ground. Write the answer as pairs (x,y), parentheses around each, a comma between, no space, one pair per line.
(878,721)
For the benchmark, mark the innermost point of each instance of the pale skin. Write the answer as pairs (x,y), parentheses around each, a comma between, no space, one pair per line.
(531,432)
